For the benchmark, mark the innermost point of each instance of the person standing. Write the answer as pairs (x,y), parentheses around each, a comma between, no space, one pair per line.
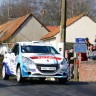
(90,52)
(87,42)
(71,63)
(66,54)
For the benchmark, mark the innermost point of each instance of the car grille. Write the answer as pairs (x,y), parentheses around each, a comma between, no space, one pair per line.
(47,65)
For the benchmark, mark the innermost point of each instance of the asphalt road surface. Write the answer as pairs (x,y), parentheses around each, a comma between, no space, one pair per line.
(47,88)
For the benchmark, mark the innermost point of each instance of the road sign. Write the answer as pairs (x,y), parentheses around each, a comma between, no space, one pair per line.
(80,40)
(80,48)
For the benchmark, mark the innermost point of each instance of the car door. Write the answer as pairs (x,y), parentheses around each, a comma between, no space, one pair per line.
(14,54)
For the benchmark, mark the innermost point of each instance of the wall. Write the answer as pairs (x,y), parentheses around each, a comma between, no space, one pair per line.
(31,30)
(51,41)
(87,71)
(82,28)
(54,41)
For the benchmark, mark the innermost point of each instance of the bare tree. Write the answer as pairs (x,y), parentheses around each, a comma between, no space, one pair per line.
(48,11)
(76,7)
(17,8)
(51,12)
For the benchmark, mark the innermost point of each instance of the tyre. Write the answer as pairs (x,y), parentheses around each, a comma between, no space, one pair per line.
(20,79)
(62,80)
(4,74)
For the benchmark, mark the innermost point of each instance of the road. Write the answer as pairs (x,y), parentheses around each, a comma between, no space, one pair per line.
(47,88)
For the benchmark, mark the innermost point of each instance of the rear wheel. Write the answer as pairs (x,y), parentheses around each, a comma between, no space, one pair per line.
(4,74)
(20,79)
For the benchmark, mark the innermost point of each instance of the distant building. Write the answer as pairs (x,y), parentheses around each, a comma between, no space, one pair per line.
(77,27)
(25,28)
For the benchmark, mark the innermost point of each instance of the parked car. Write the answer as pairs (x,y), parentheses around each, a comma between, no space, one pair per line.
(34,60)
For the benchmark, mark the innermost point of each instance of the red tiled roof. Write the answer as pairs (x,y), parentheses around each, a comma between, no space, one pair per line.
(52,33)
(56,29)
(10,27)
(51,28)
(74,19)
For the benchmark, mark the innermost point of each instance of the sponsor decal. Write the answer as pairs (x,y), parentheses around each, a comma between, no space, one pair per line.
(45,57)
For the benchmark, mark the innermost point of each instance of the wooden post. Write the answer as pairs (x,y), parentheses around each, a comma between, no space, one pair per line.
(75,67)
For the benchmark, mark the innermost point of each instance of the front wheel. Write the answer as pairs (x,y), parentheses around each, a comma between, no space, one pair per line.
(4,75)
(20,79)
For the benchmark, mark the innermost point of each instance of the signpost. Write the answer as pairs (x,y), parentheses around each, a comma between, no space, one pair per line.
(80,40)
(79,47)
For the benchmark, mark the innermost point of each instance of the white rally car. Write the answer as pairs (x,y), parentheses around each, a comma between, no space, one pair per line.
(34,60)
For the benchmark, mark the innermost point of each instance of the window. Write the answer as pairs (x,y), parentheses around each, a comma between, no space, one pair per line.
(52,50)
(38,49)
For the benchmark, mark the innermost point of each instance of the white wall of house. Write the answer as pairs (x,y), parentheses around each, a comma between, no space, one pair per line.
(54,40)
(31,30)
(51,41)
(82,28)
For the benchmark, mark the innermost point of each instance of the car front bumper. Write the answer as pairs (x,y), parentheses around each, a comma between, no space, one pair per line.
(35,71)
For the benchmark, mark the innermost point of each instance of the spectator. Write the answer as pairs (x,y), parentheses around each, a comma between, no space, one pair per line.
(90,52)
(66,54)
(71,63)
(94,47)
(87,42)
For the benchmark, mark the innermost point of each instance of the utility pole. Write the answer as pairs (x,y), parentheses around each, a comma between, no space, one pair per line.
(63,24)
(8,12)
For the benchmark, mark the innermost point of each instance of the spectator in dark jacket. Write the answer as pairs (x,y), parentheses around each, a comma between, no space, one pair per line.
(87,42)
(71,63)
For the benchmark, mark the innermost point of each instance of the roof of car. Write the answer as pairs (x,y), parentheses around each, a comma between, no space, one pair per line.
(34,43)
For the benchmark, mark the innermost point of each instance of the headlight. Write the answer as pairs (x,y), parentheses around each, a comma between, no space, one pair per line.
(27,60)
(63,61)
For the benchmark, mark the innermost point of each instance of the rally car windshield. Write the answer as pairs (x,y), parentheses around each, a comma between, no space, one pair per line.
(38,49)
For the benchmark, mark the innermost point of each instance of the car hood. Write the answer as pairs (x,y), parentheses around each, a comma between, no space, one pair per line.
(44,58)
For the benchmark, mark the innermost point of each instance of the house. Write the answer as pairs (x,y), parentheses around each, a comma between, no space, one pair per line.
(25,28)
(80,26)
